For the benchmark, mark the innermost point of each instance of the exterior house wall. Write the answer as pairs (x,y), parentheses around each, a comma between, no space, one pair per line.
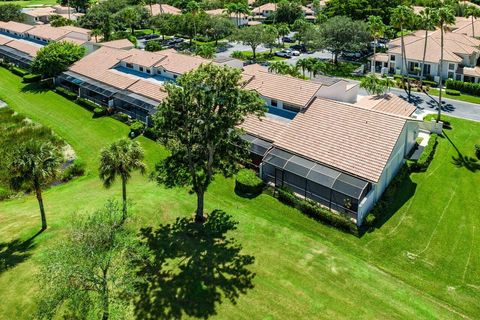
(339,92)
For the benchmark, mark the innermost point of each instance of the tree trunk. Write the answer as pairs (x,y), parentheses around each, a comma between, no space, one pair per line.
(105,303)
(473,27)
(374,67)
(424,57)
(405,67)
(335,58)
(254,53)
(124,198)
(200,203)
(439,114)
(38,193)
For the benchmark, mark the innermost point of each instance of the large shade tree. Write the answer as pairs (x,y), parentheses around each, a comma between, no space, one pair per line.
(34,165)
(120,159)
(11,12)
(198,122)
(56,57)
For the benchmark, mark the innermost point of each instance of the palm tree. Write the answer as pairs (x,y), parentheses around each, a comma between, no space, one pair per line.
(377,30)
(428,21)
(96,33)
(120,159)
(280,67)
(446,16)
(474,13)
(304,65)
(234,8)
(374,85)
(34,165)
(283,30)
(402,17)
(318,68)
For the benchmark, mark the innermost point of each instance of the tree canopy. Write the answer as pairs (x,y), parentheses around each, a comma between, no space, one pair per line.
(56,57)
(198,123)
(11,12)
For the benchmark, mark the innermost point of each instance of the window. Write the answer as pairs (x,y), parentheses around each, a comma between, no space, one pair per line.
(174,76)
(392,57)
(450,75)
(148,71)
(274,103)
(129,65)
(141,69)
(426,69)
(451,66)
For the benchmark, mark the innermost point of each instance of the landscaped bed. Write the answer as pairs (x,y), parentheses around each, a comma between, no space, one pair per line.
(420,261)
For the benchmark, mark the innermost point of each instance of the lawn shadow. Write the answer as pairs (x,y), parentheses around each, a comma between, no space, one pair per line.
(392,203)
(461,161)
(15,252)
(34,88)
(188,268)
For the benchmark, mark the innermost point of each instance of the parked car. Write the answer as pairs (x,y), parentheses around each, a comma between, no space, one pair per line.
(288,40)
(299,47)
(295,52)
(284,54)
(149,37)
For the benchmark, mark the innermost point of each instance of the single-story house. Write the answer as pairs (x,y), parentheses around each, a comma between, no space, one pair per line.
(42,15)
(340,155)
(156,9)
(266,10)
(239,20)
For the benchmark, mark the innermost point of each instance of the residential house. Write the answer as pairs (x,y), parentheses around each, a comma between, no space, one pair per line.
(239,20)
(42,15)
(157,9)
(460,56)
(340,155)
(266,10)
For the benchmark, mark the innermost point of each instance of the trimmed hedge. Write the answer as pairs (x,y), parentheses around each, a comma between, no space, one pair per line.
(430,83)
(70,95)
(426,157)
(136,128)
(317,212)
(150,134)
(452,92)
(30,78)
(122,117)
(464,87)
(99,112)
(87,104)
(248,183)
(18,71)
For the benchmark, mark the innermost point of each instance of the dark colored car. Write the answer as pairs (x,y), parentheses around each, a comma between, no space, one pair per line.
(299,47)
(149,37)
(288,40)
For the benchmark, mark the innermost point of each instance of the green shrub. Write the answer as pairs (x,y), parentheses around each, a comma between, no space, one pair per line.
(30,78)
(427,155)
(238,55)
(4,194)
(70,95)
(99,112)
(136,129)
(464,87)
(122,117)
(77,169)
(87,104)
(452,92)
(248,183)
(153,46)
(150,134)
(430,83)
(316,211)
(18,71)
(477,151)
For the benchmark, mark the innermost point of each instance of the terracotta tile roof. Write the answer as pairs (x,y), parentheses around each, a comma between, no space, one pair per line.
(40,12)
(219,12)
(73,40)
(388,103)
(24,46)
(117,44)
(76,29)
(116,79)
(179,63)
(454,44)
(143,58)
(265,128)
(279,87)
(471,72)
(149,89)
(4,39)
(464,26)
(48,32)
(99,61)
(157,9)
(381,57)
(15,26)
(355,140)
(265,7)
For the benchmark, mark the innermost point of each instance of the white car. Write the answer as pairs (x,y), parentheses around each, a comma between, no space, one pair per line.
(295,52)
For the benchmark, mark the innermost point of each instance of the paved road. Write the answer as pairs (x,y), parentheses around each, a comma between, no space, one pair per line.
(451,107)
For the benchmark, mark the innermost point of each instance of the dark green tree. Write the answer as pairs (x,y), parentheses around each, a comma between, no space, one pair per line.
(288,12)
(56,57)
(11,12)
(198,122)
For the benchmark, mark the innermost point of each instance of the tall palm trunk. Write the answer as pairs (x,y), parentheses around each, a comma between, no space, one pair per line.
(424,57)
(374,67)
(473,26)
(200,205)
(124,198)
(440,84)
(38,193)
(105,303)
(404,64)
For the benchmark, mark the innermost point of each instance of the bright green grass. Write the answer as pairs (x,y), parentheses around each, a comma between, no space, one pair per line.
(461,97)
(423,263)
(34,3)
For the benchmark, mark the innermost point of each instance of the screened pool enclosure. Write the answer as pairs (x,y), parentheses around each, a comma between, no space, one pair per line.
(331,188)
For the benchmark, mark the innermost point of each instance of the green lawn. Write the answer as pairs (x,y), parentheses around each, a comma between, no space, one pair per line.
(461,97)
(34,3)
(423,263)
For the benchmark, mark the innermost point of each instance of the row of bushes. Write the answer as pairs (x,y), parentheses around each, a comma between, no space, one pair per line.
(317,212)
(464,87)
(248,183)
(31,78)
(18,71)
(69,94)
(426,157)
(453,92)
(425,81)
(76,169)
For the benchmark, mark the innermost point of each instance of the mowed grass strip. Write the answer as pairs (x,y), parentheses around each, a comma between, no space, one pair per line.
(422,263)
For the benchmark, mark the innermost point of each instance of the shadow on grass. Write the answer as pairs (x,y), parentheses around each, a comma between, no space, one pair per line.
(34,88)
(188,268)
(393,202)
(461,161)
(15,252)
